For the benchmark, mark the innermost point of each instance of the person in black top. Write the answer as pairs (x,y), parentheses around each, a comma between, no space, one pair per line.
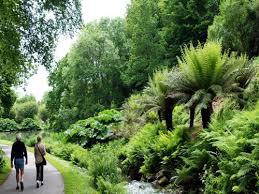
(18,154)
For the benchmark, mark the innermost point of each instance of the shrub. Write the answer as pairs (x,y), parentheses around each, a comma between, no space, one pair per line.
(103,166)
(2,161)
(139,147)
(30,141)
(94,129)
(24,110)
(29,124)
(110,188)
(8,125)
(63,151)
(225,158)
(80,157)
(43,113)
(132,117)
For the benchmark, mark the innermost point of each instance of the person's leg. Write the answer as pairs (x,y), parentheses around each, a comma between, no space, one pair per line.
(21,178)
(37,175)
(17,179)
(41,173)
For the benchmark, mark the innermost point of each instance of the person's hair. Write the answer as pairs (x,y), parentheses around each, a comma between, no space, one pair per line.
(39,138)
(18,137)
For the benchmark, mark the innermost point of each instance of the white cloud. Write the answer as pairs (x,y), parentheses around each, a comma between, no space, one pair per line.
(37,85)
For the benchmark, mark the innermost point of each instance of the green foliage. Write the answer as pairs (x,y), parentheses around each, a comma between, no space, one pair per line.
(103,167)
(132,117)
(139,147)
(157,30)
(237,26)
(146,45)
(185,22)
(207,72)
(8,125)
(109,188)
(80,157)
(2,160)
(94,129)
(63,151)
(180,115)
(156,91)
(43,113)
(225,158)
(29,124)
(88,79)
(25,107)
(28,32)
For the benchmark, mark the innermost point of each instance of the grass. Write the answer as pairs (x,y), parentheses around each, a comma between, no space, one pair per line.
(75,179)
(4,173)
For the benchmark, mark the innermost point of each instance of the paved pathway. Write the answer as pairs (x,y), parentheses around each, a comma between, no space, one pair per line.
(53,181)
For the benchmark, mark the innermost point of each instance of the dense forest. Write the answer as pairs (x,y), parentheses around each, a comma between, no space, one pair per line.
(168,95)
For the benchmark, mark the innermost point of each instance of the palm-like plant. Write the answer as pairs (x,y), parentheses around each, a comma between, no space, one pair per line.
(204,73)
(154,95)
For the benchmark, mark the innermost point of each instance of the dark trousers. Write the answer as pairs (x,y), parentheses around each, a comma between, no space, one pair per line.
(39,174)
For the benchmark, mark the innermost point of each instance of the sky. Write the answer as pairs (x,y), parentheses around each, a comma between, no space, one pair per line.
(92,10)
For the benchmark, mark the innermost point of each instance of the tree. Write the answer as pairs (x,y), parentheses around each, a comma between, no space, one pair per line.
(28,32)
(146,45)
(88,79)
(205,73)
(157,30)
(237,26)
(185,21)
(25,107)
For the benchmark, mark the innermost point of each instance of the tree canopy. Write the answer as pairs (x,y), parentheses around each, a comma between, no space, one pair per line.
(237,26)
(89,79)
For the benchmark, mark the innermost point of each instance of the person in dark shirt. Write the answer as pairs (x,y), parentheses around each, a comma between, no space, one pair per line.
(18,154)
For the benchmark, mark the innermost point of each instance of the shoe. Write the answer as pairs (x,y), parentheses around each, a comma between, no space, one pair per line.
(37,185)
(21,183)
(17,188)
(41,183)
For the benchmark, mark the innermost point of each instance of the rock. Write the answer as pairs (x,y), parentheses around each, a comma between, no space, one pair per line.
(155,183)
(160,174)
(163,181)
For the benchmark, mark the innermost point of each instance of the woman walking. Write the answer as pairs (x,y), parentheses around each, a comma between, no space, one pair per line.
(40,161)
(18,154)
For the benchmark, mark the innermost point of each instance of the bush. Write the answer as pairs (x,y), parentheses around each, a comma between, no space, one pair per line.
(80,157)
(63,151)
(24,110)
(139,147)
(225,158)
(8,125)
(103,167)
(43,113)
(29,124)
(133,118)
(109,188)
(94,129)
(2,160)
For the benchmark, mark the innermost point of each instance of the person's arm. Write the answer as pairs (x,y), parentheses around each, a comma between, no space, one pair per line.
(25,154)
(12,155)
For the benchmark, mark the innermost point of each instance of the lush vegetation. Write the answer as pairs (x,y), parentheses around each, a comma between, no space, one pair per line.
(168,95)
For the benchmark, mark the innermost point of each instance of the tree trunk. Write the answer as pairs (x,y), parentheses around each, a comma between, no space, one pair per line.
(206,115)
(168,114)
(159,112)
(192,114)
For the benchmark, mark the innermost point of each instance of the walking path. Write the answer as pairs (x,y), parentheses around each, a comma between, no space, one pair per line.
(53,181)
